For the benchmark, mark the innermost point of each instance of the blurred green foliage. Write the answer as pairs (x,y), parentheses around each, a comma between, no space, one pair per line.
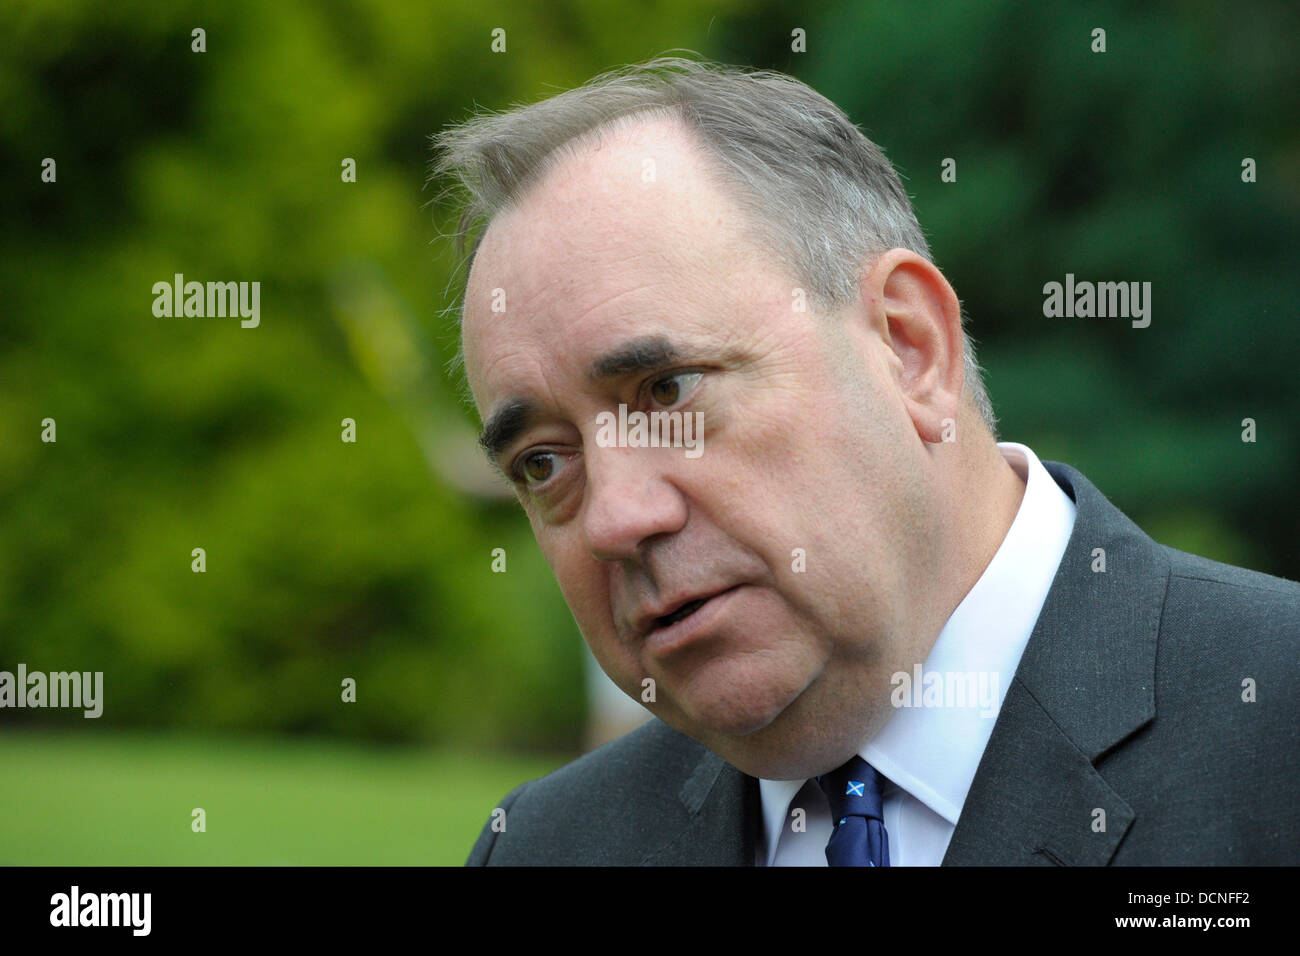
(328,560)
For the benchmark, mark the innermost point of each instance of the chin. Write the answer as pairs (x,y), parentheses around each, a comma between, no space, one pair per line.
(791,737)
(735,708)
(730,722)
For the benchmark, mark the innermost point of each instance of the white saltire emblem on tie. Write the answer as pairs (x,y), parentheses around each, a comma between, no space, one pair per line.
(854,789)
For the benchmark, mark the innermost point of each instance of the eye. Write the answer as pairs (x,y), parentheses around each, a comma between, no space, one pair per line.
(535,468)
(671,389)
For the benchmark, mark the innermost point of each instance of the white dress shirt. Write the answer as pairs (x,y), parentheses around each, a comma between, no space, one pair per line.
(928,754)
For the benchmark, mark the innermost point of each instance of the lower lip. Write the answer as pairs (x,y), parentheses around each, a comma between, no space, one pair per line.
(666,640)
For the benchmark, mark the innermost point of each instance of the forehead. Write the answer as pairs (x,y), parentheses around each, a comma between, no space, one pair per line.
(631,235)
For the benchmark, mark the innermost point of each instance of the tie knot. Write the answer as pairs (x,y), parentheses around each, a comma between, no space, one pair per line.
(854,790)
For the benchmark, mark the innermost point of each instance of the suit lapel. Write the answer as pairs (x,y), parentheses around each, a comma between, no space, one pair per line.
(1035,797)
(1085,682)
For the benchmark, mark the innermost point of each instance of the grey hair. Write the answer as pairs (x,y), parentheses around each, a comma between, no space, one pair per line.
(822,195)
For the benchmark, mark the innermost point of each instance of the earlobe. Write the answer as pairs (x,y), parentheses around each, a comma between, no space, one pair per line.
(922,324)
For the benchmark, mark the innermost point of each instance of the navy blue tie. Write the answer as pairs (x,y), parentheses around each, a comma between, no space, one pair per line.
(859,838)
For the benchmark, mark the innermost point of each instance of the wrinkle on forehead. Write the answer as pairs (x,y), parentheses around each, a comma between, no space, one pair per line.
(591,248)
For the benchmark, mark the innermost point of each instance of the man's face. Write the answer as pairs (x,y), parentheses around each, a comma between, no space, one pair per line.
(802,525)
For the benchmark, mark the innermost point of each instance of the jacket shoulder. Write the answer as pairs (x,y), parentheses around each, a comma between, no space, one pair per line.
(1213,777)
(1216,598)
(1193,568)
(1209,655)
(606,808)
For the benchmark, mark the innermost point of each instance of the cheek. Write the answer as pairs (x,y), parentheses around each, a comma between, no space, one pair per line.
(801,482)
(785,463)
(576,575)
(584,582)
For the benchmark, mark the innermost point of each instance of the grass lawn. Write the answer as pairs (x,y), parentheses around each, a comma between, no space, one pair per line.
(78,799)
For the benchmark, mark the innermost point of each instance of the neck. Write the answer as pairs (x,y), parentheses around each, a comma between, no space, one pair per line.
(982,493)
(998,492)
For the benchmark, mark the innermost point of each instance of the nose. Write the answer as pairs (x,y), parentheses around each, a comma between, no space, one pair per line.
(629,500)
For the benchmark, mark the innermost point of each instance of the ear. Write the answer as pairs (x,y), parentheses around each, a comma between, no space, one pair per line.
(916,313)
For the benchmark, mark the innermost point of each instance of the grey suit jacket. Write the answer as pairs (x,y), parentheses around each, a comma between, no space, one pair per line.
(1128,700)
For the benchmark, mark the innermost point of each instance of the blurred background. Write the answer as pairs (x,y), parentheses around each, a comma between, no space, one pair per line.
(372,560)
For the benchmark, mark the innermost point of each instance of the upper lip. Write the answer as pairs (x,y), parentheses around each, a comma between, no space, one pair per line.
(648,619)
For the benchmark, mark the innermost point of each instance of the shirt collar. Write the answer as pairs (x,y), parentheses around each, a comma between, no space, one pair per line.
(930,751)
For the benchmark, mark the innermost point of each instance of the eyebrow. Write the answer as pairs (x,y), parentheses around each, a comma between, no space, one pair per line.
(645,354)
(505,425)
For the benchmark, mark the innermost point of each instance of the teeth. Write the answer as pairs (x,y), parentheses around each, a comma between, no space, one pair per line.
(686,610)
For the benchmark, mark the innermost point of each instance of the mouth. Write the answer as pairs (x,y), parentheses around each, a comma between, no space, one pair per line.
(685,621)
(683,612)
